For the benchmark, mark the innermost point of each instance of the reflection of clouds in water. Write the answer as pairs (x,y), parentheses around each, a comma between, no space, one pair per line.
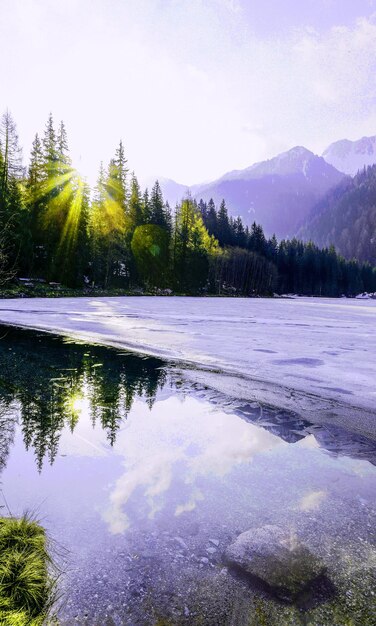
(154,474)
(312,500)
(196,496)
(203,443)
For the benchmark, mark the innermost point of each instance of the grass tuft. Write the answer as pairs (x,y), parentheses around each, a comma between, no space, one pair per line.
(26,587)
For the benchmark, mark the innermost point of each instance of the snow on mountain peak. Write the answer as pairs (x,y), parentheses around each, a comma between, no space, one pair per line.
(351,156)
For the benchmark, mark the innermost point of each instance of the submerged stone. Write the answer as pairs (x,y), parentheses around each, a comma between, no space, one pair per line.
(276,558)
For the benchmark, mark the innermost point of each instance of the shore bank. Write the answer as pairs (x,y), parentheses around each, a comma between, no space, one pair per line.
(313,356)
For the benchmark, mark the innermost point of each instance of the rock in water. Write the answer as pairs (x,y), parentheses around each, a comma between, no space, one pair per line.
(275,557)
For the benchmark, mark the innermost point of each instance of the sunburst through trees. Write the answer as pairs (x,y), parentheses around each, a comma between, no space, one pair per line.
(54,229)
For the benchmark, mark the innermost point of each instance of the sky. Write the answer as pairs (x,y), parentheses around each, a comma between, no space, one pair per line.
(194,88)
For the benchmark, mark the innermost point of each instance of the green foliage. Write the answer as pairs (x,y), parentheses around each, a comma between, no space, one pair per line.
(192,246)
(150,248)
(25,585)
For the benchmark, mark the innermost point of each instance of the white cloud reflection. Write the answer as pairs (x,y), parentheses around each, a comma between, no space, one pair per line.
(312,500)
(185,441)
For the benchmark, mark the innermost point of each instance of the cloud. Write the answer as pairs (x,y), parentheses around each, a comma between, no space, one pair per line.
(340,65)
(182,81)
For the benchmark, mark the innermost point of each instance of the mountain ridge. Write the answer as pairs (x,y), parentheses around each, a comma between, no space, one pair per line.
(279,192)
(351,156)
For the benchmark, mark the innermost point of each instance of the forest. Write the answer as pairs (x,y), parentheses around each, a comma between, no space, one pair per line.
(346,217)
(54,228)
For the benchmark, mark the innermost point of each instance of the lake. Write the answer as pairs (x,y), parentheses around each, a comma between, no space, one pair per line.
(143,480)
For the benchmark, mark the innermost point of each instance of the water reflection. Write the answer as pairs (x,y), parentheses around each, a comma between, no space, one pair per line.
(52,380)
(149,480)
(171,453)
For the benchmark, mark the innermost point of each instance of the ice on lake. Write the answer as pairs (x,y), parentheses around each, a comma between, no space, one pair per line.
(324,347)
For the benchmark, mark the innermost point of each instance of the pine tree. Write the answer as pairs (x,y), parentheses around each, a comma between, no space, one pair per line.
(223,225)
(13,222)
(135,210)
(257,241)
(202,206)
(158,214)
(108,229)
(11,161)
(50,154)
(35,174)
(192,246)
(212,222)
(116,183)
(73,249)
(62,151)
(36,205)
(121,164)
(146,209)
(240,236)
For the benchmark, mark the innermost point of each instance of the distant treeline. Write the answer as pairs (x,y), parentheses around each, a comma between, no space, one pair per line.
(116,236)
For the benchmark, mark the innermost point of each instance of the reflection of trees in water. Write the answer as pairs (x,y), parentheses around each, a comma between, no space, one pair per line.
(49,377)
(8,420)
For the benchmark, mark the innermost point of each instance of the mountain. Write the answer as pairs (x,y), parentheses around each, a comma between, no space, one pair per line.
(351,156)
(346,217)
(172,191)
(278,193)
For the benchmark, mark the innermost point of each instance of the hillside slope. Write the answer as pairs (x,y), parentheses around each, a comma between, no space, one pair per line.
(346,217)
(278,193)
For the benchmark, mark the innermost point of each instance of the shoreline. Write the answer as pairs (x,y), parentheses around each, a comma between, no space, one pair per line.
(353,412)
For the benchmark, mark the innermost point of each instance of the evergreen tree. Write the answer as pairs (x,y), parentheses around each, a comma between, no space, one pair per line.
(50,154)
(116,183)
(35,173)
(108,229)
(62,151)
(146,209)
(36,205)
(240,236)
(11,154)
(72,254)
(13,217)
(135,210)
(256,240)
(203,208)
(223,226)
(158,214)
(192,246)
(211,220)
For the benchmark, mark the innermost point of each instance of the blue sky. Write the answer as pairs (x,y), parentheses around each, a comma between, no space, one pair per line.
(194,87)
(271,17)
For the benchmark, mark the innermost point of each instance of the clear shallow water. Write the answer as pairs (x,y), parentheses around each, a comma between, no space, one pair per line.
(143,481)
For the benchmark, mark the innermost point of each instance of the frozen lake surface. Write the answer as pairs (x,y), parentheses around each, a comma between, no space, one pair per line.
(306,354)
(143,480)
